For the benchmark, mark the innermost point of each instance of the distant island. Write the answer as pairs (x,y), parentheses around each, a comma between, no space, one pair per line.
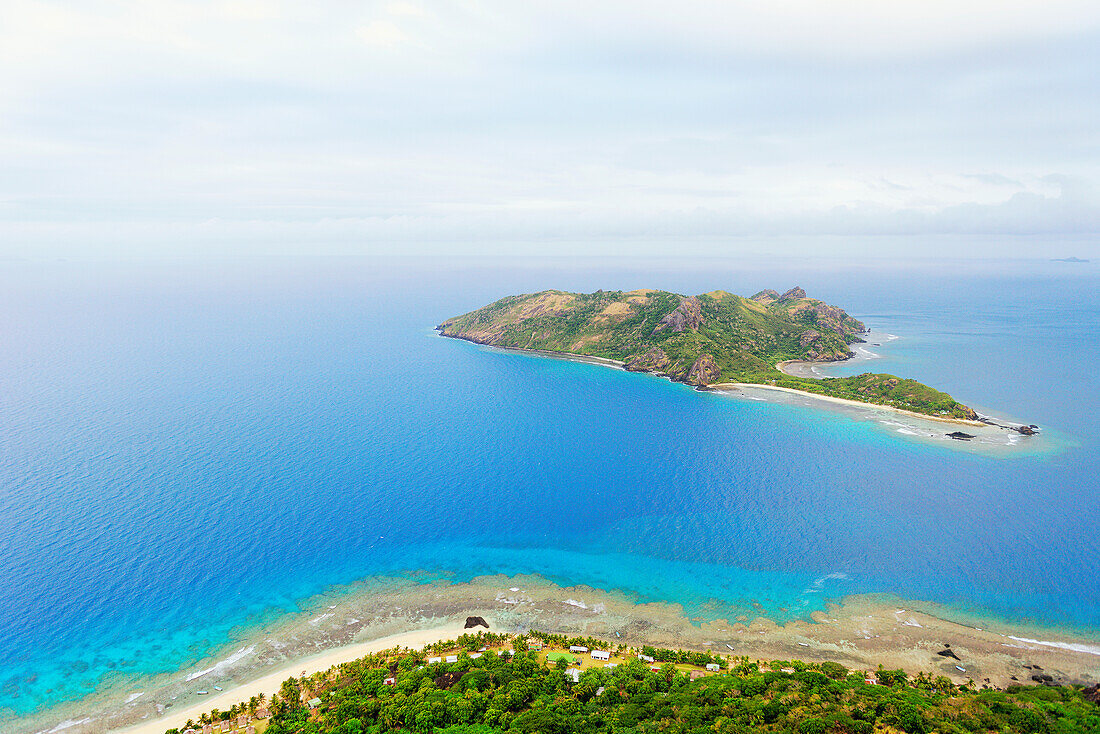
(1067,260)
(707,341)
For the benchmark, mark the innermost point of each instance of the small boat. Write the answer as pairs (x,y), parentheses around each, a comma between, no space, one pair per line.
(959,667)
(203,693)
(617,634)
(218,688)
(730,646)
(804,644)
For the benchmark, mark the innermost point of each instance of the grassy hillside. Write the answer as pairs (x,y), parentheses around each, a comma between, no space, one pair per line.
(508,687)
(701,340)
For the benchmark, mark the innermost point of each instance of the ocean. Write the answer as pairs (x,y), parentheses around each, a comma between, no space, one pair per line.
(190,448)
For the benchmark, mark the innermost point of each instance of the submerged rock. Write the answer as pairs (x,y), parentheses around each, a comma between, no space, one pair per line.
(960,436)
(476,622)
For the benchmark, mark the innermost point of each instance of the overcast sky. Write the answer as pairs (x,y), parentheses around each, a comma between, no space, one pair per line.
(551,127)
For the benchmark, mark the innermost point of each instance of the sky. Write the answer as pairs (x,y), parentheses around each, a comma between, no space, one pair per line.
(962,127)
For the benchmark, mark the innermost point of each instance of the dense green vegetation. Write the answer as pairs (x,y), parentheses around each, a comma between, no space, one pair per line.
(503,692)
(701,340)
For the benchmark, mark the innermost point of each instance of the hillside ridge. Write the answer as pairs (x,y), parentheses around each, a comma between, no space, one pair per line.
(701,340)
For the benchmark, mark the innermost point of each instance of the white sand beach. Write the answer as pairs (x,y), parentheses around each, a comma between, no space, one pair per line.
(269,684)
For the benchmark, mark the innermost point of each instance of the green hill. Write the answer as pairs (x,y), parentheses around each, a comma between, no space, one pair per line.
(712,338)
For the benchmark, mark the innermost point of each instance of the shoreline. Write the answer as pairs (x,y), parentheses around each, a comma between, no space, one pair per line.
(860,631)
(731,387)
(728,386)
(269,683)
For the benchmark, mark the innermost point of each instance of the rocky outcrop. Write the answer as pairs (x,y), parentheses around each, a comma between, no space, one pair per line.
(654,360)
(688,315)
(949,653)
(476,622)
(808,337)
(959,436)
(1092,693)
(703,372)
(765,296)
(1027,430)
(795,292)
(824,316)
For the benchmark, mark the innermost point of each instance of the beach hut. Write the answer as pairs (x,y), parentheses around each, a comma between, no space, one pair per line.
(577,648)
(207,729)
(534,645)
(601,655)
(713,667)
(263,714)
(314,703)
(242,720)
(391,681)
(433,661)
(452,658)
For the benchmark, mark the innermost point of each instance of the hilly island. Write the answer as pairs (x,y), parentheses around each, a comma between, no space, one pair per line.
(707,340)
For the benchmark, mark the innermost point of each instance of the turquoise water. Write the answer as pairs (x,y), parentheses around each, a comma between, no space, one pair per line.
(187,447)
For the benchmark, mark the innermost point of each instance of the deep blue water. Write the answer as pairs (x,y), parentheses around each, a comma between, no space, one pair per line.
(185,447)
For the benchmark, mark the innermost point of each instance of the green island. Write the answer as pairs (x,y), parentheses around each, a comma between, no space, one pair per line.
(711,339)
(489,683)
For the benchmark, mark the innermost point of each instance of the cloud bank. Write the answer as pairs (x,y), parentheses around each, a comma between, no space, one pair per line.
(464,126)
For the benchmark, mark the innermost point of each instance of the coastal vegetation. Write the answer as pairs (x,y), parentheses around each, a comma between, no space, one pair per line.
(703,340)
(491,683)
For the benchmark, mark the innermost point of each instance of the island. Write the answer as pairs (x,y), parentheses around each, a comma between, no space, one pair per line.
(708,341)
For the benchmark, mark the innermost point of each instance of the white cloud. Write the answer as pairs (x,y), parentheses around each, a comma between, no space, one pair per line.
(381,33)
(451,121)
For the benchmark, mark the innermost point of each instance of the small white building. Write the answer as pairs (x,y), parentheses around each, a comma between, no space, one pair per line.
(577,648)
(575,674)
(452,658)
(433,661)
(601,655)
(475,655)
(645,658)
(713,667)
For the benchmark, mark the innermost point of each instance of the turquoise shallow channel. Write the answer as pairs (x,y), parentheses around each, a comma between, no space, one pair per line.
(186,451)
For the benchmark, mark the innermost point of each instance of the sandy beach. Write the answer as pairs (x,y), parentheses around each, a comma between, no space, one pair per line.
(850,403)
(270,683)
(860,632)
